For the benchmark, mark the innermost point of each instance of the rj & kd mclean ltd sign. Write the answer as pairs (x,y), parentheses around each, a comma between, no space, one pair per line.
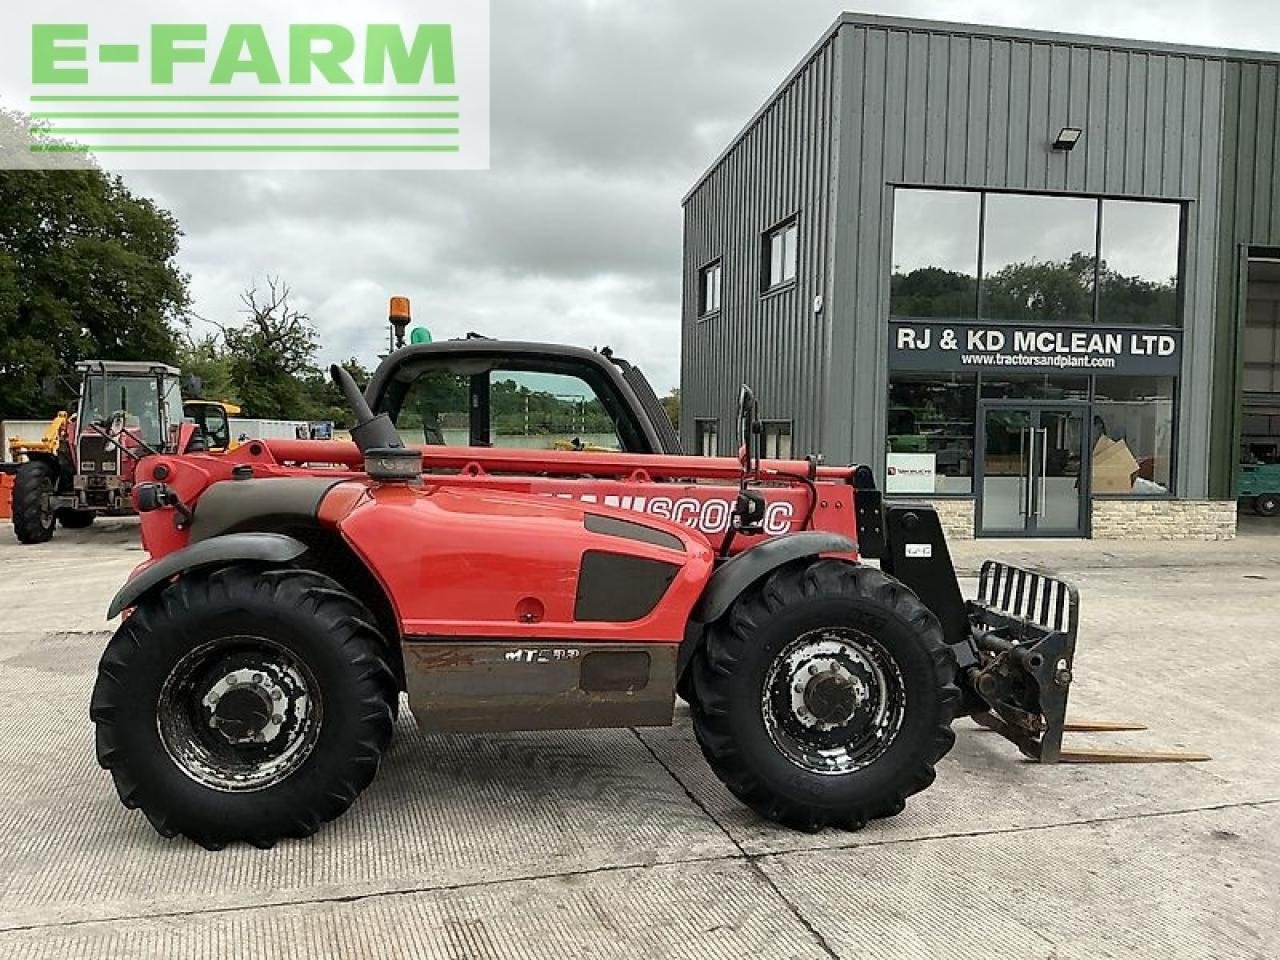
(957,347)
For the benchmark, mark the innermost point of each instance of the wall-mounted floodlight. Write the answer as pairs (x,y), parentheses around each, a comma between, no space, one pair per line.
(1068,137)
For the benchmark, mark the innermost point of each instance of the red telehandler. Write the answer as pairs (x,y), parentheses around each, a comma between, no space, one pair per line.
(296,588)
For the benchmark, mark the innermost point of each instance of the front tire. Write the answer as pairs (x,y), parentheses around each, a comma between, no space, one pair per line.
(825,696)
(1266,504)
(33,489)
(243,705)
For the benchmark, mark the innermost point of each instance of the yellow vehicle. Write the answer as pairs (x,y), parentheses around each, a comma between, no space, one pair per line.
(20,449)
(212,417)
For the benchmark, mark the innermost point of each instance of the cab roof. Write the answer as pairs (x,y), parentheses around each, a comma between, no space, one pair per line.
(134,367)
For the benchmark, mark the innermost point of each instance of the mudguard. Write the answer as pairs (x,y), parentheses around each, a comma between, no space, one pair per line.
(738,573)
(746,568)
(267,547)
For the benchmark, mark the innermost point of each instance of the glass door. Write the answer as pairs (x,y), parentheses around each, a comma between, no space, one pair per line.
(1032,470)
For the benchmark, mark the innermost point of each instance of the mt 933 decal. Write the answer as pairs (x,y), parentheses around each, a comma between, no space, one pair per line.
(708,514)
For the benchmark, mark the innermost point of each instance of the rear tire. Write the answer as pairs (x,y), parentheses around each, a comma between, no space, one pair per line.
(1266,504)
(75,519)
(243,705)
(825,696)
(33,489)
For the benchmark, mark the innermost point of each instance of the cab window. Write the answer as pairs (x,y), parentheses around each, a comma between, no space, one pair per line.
(215,426)
(526,409)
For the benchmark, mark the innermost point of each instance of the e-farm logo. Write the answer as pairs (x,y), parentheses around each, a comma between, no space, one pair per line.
(241,92)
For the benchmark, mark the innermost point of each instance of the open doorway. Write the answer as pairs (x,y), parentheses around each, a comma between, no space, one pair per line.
(1259,476)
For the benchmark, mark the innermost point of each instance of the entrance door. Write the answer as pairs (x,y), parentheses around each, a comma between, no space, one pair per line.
(1033,479)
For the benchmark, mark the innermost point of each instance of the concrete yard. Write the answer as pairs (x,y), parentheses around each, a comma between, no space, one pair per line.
(622,843)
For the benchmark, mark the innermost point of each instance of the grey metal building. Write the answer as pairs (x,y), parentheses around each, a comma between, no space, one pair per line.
(1035,277)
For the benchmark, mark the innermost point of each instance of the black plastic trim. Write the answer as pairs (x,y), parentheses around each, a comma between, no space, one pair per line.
(266,547)
(230,506)
(619,587)
(746,568)
(630,530)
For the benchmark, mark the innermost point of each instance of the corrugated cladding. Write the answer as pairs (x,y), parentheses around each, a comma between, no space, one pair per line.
(885,102)
(1249,217)
(781,166)
(948,108)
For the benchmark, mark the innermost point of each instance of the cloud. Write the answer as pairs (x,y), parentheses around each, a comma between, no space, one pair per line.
(604,113)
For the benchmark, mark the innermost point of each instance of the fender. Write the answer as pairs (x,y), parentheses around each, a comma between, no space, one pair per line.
(267,547)
(746,568)
(738,573)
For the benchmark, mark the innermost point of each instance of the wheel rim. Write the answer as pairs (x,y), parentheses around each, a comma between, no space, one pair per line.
(47,515)
(833,701)
(239,713)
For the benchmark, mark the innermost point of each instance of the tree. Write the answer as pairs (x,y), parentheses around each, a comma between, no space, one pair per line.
(205,359)
(671,404)
(325,401)
(933,292)
(87,271)
(271,354)
(1042,291)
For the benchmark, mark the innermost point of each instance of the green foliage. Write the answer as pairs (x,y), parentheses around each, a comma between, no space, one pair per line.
(267,363)
(205,359)
(1036,291)
(271,355)
(671,404)
(517,410)
(933,292)
(324,401)
(1040,291)
(87,271)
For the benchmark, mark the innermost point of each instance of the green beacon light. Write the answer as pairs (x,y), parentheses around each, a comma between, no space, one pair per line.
(420,335)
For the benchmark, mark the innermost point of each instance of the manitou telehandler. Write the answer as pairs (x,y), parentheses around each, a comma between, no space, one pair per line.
(296,588)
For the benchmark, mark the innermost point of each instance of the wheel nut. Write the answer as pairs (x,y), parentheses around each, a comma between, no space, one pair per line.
(277,719)
(277,694)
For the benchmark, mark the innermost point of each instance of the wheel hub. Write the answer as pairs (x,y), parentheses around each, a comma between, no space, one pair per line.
(246,706)
(832,700)
(832,697)
(239,713)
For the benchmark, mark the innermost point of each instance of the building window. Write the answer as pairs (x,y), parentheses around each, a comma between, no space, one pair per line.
(709,289)
(780,256)
(930,433)
(777,439)
(1138,272)
(935,254)
(1032,258)
(1034,386)
(1133,434)
(706,437)
(1039,258)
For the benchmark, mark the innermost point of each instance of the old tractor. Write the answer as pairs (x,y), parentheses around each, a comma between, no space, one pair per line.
(295,589)
(83,466)
(126,411)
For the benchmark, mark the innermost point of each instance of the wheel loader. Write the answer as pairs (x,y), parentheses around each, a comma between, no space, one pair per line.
(295,590)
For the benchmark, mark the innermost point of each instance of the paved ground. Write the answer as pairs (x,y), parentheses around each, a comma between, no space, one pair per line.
(621,844)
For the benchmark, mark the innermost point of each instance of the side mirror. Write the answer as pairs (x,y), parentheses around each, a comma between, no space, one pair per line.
(51,388)
(192,386)
(749,431)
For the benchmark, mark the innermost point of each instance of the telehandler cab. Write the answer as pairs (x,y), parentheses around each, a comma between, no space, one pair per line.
(296,588)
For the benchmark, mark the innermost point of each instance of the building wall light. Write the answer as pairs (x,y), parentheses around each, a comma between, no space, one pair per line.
(1068,137)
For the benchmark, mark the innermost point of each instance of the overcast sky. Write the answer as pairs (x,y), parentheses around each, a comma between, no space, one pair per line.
(604,113)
